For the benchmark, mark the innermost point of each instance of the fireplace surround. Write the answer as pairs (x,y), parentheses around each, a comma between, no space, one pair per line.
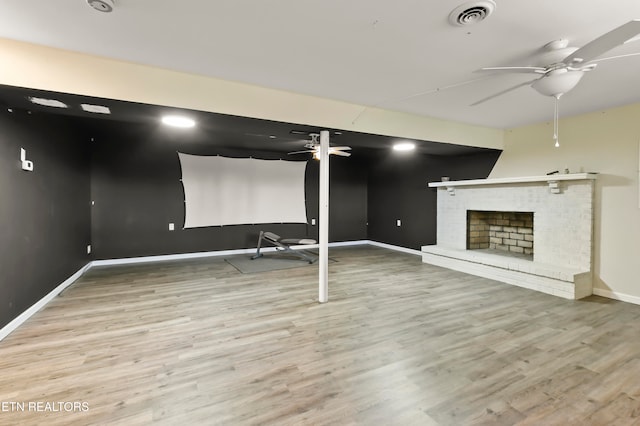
(561,212)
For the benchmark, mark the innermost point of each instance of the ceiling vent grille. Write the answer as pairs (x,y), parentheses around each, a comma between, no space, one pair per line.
(101,5)
(471,13)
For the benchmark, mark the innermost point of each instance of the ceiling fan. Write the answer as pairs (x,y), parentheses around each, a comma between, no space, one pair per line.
(562,67)
(314,146)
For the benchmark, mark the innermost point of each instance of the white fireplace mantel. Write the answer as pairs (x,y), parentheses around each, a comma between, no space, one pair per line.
(520,179)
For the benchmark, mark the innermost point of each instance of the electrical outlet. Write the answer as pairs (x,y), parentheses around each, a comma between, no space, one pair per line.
(313,221)
(171,227)
(89,249)
(398,222)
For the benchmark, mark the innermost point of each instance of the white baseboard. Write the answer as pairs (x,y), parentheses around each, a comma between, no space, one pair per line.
(350,243)
(616,296)
(184,256)
(336,244)
(20,319)
(363,243)
(396,248)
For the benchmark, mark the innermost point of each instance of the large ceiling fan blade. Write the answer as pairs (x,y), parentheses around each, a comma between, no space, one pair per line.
(340,148)
(604,43)
(495,95)
(340,153)
(425,92)
(521,70)
(299,152)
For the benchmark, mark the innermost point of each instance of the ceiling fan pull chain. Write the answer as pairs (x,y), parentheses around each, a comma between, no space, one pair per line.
(555,122)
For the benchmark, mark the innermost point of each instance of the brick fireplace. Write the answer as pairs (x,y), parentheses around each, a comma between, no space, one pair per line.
(510,232)
(534,232)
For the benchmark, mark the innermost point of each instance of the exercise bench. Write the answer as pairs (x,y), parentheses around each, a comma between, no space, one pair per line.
(284,245)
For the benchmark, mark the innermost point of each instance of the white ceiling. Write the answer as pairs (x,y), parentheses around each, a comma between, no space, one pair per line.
(371,52)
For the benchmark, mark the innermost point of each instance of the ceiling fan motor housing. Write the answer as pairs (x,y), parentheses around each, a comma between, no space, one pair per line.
(555,53)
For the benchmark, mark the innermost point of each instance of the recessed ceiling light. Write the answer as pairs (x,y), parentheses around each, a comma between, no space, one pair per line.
(47,102)
(404,146)
(98,109)
(178,121)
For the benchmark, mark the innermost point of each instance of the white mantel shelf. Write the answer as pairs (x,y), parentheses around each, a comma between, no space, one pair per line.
(522,179)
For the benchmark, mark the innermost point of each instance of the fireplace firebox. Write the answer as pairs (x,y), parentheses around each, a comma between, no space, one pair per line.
(509,232)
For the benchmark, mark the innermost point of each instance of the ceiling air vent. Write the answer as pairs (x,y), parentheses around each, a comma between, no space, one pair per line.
(471,13)
(101,5)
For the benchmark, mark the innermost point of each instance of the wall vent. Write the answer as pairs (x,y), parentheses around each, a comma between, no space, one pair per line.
(472,12)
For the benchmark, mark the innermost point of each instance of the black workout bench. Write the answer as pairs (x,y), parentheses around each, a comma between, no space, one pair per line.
(284,245)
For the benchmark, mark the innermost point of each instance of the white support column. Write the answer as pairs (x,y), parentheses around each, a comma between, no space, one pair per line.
(323,261)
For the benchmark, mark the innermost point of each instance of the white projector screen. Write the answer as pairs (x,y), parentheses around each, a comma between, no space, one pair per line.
(235,191)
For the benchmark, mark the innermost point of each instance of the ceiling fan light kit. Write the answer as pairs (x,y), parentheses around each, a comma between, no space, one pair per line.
(557,82)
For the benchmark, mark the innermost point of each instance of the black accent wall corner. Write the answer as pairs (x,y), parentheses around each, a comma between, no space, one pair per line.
(44,214)
(398,191)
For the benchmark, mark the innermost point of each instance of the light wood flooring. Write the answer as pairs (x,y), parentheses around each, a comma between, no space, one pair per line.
(399,343)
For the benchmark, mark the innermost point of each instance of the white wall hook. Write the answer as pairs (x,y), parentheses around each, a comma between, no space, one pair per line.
(26,164)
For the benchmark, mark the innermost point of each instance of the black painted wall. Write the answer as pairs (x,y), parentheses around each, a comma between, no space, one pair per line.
(131,171)
(44,214)
(398,190)
(137,192)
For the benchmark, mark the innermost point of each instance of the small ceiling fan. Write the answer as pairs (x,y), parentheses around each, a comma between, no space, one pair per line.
(562,67)
(313,146)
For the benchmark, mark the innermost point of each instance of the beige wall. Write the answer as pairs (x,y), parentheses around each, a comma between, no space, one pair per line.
(605,142)
(34,66)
